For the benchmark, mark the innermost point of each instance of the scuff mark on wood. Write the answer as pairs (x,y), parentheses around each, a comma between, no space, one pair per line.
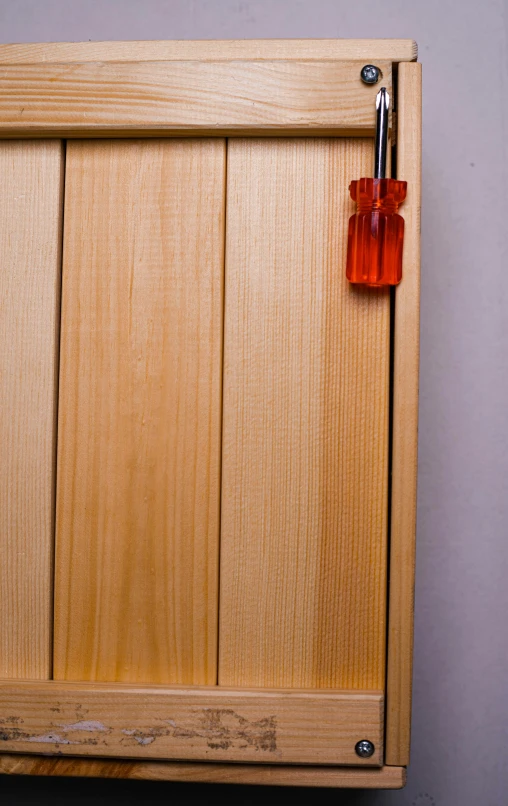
(145,737)
(224,728)
(50,738)
(221,729)
(88,725)
(81,712)
(10,731)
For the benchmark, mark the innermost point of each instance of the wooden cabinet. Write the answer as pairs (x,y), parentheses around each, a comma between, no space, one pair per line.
(207,484)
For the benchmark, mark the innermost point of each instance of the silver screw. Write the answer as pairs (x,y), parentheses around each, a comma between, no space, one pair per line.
(364,749)
(370,74)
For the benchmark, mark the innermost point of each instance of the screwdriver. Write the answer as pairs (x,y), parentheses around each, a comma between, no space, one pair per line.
(376,230)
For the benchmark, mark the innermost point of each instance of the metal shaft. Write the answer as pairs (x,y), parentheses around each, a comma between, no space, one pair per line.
(382,106)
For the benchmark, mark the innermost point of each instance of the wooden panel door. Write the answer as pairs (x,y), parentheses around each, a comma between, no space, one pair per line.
(140,412)
(194,489)
(305,412)
(305,444)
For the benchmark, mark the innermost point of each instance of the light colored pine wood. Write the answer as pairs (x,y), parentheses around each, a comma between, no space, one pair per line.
(31,181)
(95,99)
(197,772)
(393,50)
(139,412)
(405,426)
(305,440)
(197,723)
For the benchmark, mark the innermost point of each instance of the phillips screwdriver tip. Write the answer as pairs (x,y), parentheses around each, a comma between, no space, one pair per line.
(383,95)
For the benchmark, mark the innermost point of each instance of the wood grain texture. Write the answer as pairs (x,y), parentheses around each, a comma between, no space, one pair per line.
(140,411)
(405,426)
(393,50)
(95,99)
(210,773)
(198,723)
(31,178)
(305,440)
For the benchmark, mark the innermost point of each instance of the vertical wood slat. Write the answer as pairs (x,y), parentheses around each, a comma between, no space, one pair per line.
(405,426)
(31,182)
(140,412)
(305,442)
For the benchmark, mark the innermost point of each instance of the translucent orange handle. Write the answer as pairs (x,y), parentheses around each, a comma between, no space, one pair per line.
(376,232)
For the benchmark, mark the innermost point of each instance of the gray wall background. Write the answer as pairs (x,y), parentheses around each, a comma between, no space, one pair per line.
(460,722)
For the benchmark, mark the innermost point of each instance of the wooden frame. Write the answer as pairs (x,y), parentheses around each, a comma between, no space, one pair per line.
(35,101)
(212,723)
(393,50)
(207,773)
(405,426)
(125,99)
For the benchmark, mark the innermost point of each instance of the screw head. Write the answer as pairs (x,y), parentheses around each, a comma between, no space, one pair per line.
(364,748)
(370,74)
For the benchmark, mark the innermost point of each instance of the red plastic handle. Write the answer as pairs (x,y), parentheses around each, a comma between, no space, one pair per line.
(376,232)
